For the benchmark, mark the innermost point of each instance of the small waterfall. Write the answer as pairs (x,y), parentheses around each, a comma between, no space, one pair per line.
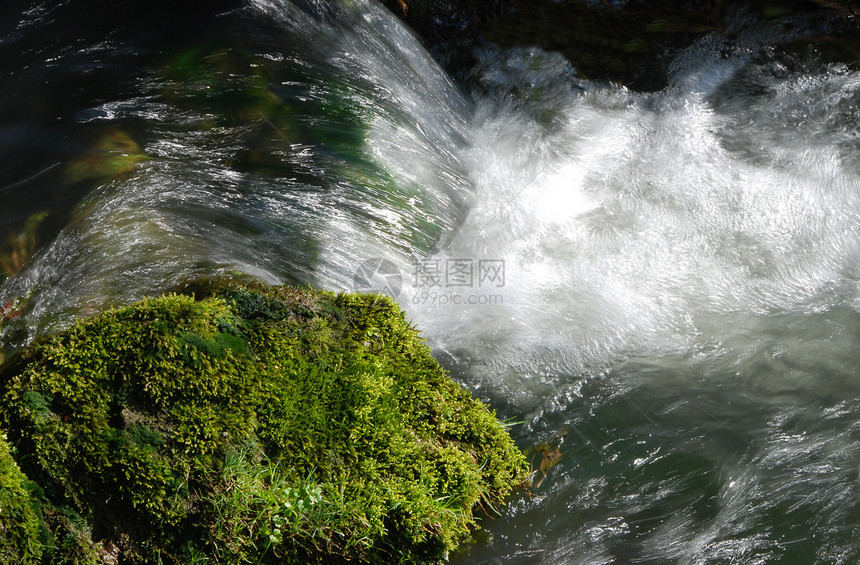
(310,137)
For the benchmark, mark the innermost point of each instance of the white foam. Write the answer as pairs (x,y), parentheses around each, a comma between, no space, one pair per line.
(627,218)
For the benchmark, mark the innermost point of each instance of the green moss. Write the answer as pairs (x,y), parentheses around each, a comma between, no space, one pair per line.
(265,426)
(20,536)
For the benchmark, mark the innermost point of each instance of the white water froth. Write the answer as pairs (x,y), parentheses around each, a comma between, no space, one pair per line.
(628,222)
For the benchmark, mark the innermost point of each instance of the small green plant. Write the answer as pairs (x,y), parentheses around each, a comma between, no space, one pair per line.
(260,508)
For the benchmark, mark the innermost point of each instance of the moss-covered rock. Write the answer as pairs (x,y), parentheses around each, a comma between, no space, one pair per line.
(253,426)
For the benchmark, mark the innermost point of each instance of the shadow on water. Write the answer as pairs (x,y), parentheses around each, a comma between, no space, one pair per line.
(58,61)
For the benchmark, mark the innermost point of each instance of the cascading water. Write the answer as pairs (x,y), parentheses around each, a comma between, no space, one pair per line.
(264,159)
(664,287)
(680,314)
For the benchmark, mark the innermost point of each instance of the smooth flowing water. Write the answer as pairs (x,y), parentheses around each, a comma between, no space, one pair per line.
(663,288)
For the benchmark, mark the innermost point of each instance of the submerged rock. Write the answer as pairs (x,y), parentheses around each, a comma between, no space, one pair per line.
(251,426)
(623,41)
(115,153)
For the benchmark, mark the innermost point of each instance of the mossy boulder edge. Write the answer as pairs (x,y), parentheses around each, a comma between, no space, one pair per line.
(19,524)
(255,425)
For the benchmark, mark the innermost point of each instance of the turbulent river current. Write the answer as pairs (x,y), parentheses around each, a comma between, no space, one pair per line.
(662,289)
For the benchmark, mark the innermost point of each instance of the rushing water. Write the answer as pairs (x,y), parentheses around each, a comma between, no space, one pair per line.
(664,288)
